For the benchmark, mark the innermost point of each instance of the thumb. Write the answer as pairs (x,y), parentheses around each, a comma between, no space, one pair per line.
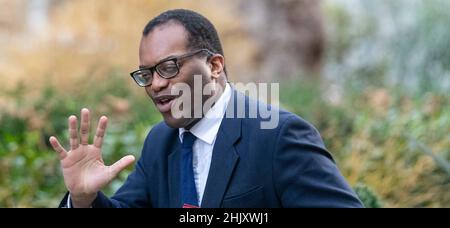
(120,165)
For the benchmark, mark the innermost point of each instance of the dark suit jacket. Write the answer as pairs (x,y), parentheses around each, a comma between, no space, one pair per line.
(283,167)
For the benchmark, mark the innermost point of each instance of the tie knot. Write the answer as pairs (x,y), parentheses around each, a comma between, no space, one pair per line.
(188,139)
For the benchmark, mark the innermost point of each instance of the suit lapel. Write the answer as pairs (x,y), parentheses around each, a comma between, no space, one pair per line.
(174,175)
(224,160)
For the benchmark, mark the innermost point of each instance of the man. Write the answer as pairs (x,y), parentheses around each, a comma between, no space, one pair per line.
(206,160)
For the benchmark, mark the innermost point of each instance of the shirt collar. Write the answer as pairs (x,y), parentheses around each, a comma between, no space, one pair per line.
(206,129)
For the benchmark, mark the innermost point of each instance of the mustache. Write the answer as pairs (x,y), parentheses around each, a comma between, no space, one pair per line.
(166,94)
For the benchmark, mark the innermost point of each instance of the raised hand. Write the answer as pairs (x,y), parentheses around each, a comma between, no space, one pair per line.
(83,168)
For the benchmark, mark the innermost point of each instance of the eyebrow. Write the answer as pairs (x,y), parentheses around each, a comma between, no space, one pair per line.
(160,61)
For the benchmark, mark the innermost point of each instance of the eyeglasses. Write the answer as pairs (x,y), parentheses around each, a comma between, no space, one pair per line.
(167,69)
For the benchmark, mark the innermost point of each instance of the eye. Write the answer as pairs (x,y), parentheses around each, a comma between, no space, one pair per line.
(146,74)
(168,68)
(144,77)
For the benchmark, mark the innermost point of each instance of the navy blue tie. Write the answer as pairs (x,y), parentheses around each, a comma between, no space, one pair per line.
(188,190)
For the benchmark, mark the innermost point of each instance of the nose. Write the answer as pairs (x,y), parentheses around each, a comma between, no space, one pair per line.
(158,83)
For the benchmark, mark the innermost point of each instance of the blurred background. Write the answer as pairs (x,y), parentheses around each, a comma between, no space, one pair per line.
(372,76)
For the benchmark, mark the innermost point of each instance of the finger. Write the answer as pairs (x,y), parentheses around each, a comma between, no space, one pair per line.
(100,132)
(73,133)
(120,165)
(62,153)
(84,128)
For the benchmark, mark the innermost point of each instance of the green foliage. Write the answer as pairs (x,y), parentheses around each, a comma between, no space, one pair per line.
(367,196)
(397,148)
(30,175)
(387,117)
(400,44)
(382,144)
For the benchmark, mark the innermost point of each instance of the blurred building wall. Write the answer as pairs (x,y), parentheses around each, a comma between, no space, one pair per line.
(22,21)
(264,40)
(11,16)
(289,37)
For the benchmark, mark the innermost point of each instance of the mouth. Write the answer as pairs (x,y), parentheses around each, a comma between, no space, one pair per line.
(164,102)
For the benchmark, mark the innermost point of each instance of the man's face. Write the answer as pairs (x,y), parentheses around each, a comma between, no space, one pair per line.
(167,40)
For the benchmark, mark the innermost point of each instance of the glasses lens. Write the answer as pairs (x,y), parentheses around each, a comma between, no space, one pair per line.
(143,77)
(167,69)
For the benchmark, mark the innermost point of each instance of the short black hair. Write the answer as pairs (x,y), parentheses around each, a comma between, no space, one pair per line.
(201,32)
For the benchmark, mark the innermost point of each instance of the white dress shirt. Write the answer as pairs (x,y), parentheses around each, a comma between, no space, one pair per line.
(206,132)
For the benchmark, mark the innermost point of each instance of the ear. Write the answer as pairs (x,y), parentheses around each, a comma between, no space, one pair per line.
(217,63)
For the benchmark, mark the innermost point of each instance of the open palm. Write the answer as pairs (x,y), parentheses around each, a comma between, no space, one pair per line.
(83,168)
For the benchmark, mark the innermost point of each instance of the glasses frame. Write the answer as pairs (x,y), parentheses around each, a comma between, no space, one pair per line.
(175,59)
